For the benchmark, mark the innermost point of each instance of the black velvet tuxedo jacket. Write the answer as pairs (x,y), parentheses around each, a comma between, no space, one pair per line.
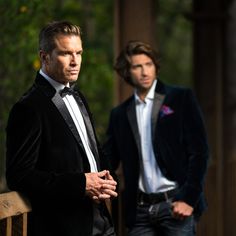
(46,161)
(179,142)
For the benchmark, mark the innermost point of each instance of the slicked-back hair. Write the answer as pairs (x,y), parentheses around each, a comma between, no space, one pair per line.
(123,61)
(48,34)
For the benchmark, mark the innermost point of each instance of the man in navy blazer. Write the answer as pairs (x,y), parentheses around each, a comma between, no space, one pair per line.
(53,156)
(158,136)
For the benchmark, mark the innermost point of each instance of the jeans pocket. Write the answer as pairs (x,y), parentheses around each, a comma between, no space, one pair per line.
(153,212)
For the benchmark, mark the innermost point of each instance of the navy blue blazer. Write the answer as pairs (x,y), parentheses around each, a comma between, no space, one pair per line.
(179,141)
(46,161)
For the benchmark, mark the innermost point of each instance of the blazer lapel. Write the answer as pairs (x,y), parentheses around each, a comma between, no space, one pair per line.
(59,103)
(159,96)
(89,127)
(131,113)
(158,101)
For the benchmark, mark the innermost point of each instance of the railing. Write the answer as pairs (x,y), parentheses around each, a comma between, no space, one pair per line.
(14,210)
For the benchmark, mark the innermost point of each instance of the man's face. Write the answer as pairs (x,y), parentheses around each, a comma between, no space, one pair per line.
(63,63)
(142,72)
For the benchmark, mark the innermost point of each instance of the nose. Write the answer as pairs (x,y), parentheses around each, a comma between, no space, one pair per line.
(144,70)
(75,59)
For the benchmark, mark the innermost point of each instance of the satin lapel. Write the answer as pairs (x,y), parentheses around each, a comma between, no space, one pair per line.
(158,100)
(131,113)
(59,103)
(89,127)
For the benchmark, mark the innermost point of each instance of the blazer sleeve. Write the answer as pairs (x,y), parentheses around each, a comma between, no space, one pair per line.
(197,151)
(23,140)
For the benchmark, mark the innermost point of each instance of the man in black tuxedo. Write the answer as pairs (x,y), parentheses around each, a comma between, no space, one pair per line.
(158,136)
(53,156)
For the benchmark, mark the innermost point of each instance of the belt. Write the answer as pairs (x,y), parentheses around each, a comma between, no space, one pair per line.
(153,198)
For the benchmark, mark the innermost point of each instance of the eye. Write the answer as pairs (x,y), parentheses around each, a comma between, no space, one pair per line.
(64,53)
(149,64)
(134,67)
(79,53)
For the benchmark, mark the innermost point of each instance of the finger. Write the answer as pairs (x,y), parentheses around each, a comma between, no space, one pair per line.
(180,214)
(93,192)
(95,199)
(102,173)
(109,186)
(111,193)
(108,175)
(103,196)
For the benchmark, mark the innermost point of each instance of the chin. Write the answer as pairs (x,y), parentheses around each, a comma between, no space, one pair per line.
(147,86)
(72,79)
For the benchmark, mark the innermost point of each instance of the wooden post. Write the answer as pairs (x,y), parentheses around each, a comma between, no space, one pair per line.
(208,66)
(127,12)
(9,226)
(12,205)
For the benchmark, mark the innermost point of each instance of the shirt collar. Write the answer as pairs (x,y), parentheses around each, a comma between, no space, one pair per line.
(58,86)
(150,94)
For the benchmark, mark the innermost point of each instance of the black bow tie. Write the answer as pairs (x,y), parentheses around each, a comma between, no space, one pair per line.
(67,91)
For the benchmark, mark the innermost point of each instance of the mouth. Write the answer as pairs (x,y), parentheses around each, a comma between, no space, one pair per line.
(146,80)
(73,72)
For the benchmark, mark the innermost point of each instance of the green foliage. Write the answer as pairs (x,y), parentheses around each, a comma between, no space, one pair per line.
(174,32)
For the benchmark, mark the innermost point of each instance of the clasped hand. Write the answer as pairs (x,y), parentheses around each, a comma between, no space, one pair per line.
(100,186)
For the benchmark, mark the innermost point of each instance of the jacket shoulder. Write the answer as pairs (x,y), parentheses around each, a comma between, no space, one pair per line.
(123,105)
(177,89)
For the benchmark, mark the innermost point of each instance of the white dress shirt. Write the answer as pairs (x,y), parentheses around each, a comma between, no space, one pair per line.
(151,179)
(77,117)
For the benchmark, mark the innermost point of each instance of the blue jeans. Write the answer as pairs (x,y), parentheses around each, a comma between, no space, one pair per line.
(157,220)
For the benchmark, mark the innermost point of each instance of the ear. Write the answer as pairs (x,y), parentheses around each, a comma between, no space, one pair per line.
(44,57)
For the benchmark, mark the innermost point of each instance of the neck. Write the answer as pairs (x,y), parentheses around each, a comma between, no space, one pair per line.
(142,94)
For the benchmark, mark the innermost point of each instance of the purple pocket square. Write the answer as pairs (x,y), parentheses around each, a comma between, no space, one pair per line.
(165,110)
